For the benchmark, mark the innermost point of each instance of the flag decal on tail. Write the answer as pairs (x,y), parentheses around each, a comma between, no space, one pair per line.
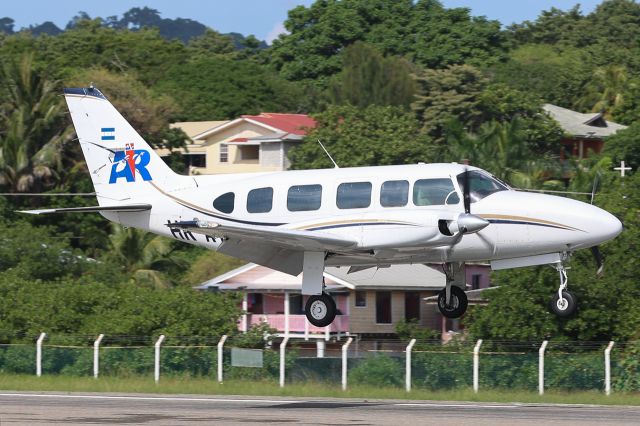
(108,134)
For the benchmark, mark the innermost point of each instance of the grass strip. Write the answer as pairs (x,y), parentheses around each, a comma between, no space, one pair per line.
(208,386)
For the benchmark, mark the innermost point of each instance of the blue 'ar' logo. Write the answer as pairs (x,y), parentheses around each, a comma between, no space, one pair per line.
(125,164)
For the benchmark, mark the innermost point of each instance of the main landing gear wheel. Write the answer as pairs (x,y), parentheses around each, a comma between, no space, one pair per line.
(457,305)
(565,306)
(320,310)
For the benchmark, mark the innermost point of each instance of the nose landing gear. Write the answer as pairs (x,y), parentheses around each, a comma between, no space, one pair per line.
(564,303)
(452,300)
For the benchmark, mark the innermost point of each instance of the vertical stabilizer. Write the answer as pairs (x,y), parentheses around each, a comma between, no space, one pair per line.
(121,164)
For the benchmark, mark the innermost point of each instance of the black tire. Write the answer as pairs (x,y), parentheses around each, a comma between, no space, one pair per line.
(566,309)
(458,305)
(320,310)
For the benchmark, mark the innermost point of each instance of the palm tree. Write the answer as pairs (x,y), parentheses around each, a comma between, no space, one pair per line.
(144,255)
(500,148)
(33,128)
(605,91)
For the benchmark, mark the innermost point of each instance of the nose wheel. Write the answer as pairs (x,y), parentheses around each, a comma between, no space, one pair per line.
(564,303)
(320,309)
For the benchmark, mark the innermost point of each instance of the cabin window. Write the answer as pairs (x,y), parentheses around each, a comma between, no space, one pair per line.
(224,153)
(394,193)
(260,200)
(354,195)
(383,307)
(481,185)
(434,192)
(304,198)
(361,299)
(225,202)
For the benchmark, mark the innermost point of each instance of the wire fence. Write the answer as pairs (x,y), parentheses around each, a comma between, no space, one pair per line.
(423,365)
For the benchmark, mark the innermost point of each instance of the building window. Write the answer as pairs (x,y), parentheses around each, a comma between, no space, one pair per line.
(475,281)
(195,160)
(296,307)
(394,193)
(304,198)
(354,195)
(225,202)
(254,303)
(260,200)
(224,153)
(361,298)
(251,152)
(383,307)
(434,192)
(412,305)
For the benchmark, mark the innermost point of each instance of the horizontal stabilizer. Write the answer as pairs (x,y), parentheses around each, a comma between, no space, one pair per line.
(92,209)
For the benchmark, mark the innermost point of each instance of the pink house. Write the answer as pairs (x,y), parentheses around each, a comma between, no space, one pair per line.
(370,302)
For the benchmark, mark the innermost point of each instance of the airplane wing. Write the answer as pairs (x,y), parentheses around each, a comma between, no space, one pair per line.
(92,209)
(277,248)
(285,238)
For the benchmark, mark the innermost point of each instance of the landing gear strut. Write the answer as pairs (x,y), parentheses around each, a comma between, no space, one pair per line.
(320,309)
(452,300)
(563,303)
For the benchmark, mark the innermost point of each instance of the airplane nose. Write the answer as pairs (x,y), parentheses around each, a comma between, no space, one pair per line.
(608,226)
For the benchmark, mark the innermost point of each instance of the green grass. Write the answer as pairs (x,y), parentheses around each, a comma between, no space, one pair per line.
(207,386)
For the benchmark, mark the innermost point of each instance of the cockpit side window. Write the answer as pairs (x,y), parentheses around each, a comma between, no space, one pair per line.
(481,185)
(434,192)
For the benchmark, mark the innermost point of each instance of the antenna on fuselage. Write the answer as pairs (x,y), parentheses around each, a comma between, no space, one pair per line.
(335,165)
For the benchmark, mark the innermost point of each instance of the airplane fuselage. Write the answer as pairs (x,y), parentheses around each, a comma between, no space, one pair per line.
(392,212)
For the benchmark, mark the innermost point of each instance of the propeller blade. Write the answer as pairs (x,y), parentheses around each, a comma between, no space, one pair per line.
(466,196)
(597,255)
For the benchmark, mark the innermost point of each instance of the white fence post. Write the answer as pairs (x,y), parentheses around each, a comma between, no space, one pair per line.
(543,347)
(476,362)
(156,374)
(407,369)
(39,354)
(345,348)
(96,356)
(220,356)
(283,348)
(607,368)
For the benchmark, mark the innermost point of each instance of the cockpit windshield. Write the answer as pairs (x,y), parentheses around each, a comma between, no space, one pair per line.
(481,185)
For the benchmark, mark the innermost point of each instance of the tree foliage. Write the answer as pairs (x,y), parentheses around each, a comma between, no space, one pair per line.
(362,137)
(368,78)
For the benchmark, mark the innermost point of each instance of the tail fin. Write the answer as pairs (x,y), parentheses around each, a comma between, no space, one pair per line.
(121,164)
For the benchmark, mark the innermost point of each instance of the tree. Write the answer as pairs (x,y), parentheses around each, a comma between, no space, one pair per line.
(6,25)
(424,31)
(143,255)
(211,42)
(623,146)
(605,91)
(362,137)
(239,87)
(443,95)
(33,125)
(368,78)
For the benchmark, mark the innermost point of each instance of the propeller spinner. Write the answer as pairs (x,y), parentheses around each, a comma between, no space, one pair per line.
(465,223)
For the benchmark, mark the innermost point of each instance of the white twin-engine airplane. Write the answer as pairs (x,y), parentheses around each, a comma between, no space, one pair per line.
(361,217)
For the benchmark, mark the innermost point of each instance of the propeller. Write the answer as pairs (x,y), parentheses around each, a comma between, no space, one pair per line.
(465,223)
(597,255)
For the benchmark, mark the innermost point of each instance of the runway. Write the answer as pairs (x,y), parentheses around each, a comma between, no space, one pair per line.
(30,408)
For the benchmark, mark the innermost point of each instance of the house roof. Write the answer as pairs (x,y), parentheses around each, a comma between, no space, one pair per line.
(397,277)
(283,126)
(288,123)
(193,128)
(591,125)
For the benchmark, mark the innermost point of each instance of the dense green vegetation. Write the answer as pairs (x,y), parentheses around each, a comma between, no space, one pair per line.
(389,82)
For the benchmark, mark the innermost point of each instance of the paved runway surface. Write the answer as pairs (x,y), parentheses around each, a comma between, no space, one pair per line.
(25,408)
